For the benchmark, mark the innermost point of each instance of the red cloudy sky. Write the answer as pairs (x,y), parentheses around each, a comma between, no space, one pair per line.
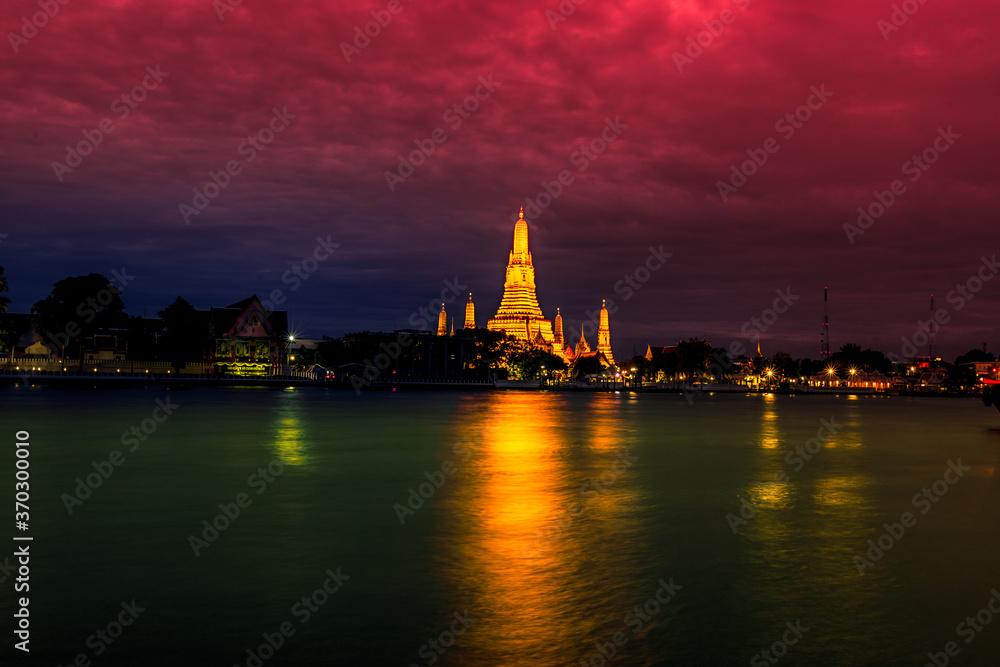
(554,91)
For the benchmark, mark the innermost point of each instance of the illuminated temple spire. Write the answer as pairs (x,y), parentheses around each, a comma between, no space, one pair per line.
(557,334)
(519,313)
(604,335)
(470,314)
(582,347)
(442,322)
(521,239)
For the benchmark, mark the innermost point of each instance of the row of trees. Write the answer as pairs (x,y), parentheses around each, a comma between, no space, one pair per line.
(696,359)
(80,306)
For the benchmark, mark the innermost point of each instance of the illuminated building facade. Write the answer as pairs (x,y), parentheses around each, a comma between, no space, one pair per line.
(246,340)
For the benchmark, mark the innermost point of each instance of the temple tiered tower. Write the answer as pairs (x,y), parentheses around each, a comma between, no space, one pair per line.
(519,314)
(558,332)
(470,314)
(604,335)
(442,322)
(582,347)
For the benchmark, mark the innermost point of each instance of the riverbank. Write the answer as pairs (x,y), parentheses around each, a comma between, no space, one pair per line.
(184,381)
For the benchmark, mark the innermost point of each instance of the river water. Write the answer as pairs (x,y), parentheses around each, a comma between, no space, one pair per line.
(504,528)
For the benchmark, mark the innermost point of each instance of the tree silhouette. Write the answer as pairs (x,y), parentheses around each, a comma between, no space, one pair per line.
(77,307)
(183,337)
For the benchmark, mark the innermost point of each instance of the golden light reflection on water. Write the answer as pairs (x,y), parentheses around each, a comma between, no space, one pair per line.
(770,495)
(288,432)
(843,492)
(523,531)
(769,435)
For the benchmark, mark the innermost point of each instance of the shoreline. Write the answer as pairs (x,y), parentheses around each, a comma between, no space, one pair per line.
(179,382)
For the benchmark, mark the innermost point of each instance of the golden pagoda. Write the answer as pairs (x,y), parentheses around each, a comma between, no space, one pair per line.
(558,331)
(470,314)
(519,314)
(442,322)
(604,335)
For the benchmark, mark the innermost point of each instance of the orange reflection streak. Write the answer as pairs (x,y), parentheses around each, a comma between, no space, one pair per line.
(515,491)
(515,543)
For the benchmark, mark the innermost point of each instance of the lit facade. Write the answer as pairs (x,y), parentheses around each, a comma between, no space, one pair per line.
(247,340)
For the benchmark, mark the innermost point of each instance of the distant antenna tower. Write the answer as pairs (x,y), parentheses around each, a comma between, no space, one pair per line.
(932,333)
(824,337)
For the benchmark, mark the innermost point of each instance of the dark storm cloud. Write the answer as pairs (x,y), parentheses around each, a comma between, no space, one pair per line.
(324,174)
